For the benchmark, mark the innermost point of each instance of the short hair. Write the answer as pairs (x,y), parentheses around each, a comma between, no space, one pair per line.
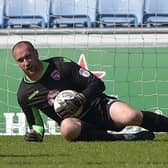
(23,42)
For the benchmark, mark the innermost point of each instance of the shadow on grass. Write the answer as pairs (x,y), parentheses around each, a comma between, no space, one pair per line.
(24,155)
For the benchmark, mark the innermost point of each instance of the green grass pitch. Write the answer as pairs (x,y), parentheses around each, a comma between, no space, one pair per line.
(55,152)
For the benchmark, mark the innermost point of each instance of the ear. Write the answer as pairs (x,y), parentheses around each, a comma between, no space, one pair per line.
(36,53)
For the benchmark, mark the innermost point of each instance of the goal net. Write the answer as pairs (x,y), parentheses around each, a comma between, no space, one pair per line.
(132,63)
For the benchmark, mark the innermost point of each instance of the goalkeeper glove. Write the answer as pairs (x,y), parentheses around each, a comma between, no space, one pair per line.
(33,136)
(72,106)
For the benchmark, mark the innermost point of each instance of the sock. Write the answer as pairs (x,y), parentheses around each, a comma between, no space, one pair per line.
(91,133)
(154,122)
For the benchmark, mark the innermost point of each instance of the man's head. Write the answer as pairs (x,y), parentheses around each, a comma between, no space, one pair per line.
(26,56)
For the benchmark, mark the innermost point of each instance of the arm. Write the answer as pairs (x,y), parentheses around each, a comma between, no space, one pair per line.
(84,81)
(34,120)
(88,86)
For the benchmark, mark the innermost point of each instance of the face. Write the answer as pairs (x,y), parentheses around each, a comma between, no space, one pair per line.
(27,58)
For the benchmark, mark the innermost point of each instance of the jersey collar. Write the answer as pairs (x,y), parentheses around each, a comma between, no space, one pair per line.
(45,66)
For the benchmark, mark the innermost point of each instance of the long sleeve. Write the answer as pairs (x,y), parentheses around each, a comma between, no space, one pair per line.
(84,81)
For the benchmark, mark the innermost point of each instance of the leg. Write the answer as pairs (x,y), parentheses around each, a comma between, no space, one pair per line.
(154,122)
(72,129)
(124,115)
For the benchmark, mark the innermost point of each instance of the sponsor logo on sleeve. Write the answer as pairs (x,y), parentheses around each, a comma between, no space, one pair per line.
(83,72)
(83,63)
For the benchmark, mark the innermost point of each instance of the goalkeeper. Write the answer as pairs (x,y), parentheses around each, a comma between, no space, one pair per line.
(44,79)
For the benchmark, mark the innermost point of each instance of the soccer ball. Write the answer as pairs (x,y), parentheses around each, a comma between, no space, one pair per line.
(60,103)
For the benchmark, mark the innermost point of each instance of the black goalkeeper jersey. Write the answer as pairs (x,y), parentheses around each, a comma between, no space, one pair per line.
(59,74)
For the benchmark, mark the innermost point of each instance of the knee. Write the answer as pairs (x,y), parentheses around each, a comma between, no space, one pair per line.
(130,118)
(123,114)
(70,128)
(133,117)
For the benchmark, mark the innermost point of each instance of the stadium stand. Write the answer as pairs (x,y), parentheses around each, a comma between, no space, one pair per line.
(2,8)
(120,12)
(83,13)
(156,13)
(29,13)
(73,13)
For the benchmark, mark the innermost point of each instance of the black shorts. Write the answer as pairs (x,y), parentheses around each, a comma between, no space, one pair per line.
(98,115)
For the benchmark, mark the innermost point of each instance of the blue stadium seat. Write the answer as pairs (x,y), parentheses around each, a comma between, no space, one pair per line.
(73,13)
(2,7)
(120,12)
(156,13)
(27,13)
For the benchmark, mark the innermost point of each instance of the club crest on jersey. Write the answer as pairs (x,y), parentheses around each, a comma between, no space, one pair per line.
(84,72)
(56,75)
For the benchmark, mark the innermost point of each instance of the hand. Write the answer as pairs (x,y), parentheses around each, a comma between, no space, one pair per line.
(73,106)
(33,136)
